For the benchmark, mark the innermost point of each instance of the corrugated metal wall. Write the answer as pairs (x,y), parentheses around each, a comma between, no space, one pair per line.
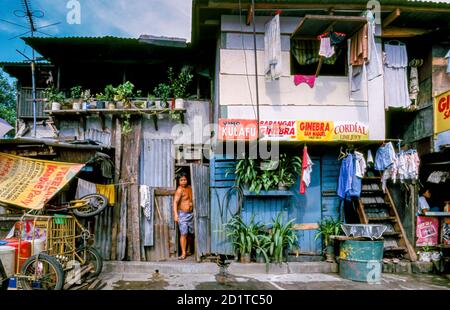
(25,105)
(157,163)
(157,169)
(200,184)
(102,232)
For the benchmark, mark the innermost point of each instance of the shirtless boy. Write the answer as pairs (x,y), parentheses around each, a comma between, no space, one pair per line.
(183,212)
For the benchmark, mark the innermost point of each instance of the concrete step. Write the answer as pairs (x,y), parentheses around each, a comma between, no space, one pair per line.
(212,268)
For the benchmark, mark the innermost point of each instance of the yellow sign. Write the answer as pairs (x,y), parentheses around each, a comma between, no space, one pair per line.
(314,130)
(31,183)
(350,131)
(442,112)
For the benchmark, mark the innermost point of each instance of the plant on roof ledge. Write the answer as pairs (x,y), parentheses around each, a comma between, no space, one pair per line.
(124,92)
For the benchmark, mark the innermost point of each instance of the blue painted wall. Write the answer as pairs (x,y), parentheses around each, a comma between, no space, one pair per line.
(308,208)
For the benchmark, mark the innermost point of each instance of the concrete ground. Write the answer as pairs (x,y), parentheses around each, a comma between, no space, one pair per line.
(292,276)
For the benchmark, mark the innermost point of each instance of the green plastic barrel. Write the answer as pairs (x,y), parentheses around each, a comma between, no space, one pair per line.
(361,260)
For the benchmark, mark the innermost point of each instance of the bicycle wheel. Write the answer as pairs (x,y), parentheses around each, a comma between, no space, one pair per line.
(48,273)
(91,256)
(95,204)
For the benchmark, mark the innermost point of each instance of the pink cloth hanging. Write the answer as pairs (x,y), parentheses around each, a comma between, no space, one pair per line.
(308,79)
(306,171)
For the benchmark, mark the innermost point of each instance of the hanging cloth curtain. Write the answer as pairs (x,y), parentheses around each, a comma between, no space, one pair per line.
(395,76)
(306,171)
(272,49)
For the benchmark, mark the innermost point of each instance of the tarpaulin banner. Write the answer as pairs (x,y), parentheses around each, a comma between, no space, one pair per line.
(442,112)
(350,131)
(237,129)
(314,130)
(30,183)
(281,130)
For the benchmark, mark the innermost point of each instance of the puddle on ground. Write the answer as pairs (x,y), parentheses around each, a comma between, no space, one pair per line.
(229,282)
(156,282)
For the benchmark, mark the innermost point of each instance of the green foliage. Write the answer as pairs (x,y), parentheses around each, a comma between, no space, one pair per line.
(243,236)
(180,83)
(109,92)
(269,174)
(76,92)
(282,237)
(7,100)
(126,127)
(162,91)
(327,228)
(124,92)
(256,239)
(53,95)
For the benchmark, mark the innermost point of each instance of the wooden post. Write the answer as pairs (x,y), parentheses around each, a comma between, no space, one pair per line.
(131,158)
(117,136)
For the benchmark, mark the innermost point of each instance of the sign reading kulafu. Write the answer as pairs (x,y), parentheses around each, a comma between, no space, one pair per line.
(30,183)
(442,112)
(237,129)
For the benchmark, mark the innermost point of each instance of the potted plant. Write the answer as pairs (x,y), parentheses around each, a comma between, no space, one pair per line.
(425,254)
(124,94)
(328,227)
(243,237)
(86,99)
(282,238)
(101,100)
(179,85)
(54,97)
(162,92)
(289,167)
(76,95)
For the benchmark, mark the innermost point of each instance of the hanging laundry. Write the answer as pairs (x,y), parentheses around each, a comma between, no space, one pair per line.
(413,83)
(337,37)
(355,189)
(385,156)
(346,174)
(396,93)
(374,65)
(107,190)
(369,157)
(359,47)
(438,177)
(272,49)
(146,201)
(308,79)
(306,171)
(360,165)
(326,50)
(405,166)
(85,188)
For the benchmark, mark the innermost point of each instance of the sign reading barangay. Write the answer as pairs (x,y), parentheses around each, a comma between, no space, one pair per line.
(282,130)
(30,183)
(442,112)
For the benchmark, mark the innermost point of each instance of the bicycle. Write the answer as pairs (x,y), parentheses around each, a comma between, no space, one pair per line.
(57,265)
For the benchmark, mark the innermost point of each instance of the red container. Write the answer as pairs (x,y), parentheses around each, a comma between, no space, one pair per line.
(25,250)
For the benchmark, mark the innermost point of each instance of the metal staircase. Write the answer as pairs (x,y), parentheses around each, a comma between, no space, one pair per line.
(377,207)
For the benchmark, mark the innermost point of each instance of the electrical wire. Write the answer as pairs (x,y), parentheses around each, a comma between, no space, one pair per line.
(245,60)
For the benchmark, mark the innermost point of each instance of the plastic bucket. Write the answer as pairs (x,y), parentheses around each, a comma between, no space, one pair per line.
(7,257)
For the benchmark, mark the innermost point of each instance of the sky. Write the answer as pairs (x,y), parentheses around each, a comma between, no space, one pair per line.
(122,18)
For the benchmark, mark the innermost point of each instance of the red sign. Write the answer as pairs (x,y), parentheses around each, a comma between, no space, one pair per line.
(237,129)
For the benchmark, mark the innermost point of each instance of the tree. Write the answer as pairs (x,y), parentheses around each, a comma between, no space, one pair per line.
(7,100)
